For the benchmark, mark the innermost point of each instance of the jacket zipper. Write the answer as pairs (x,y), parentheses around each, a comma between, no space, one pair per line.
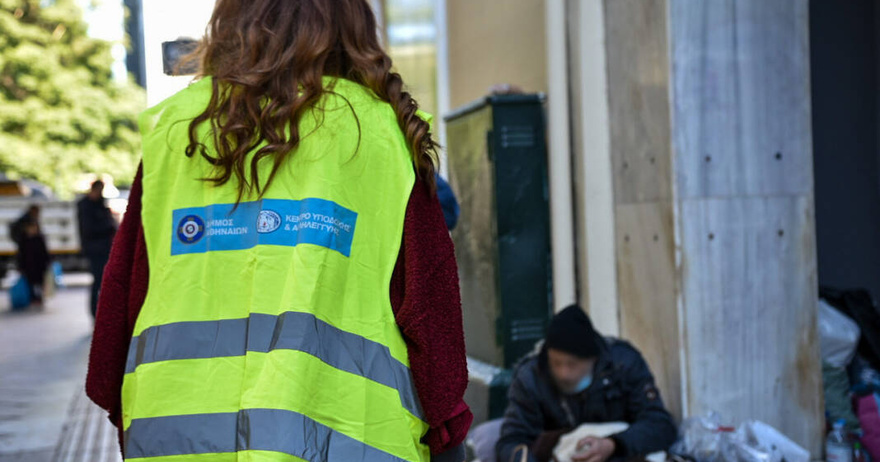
(567,410)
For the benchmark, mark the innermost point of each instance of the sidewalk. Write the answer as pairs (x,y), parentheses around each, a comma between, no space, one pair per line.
(44,414)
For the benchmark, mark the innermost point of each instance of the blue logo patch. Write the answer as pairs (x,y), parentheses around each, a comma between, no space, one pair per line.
(190,229)
(289,223)
(268,221)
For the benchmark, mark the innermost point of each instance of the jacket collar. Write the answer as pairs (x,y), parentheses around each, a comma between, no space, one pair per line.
(603,373)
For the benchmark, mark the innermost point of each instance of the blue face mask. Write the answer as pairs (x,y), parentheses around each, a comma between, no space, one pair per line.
(584,383)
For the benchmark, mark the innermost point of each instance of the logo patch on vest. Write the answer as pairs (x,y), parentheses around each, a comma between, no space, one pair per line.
(266,222)
(190,229)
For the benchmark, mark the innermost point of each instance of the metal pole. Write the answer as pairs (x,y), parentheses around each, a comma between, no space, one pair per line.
(559,158)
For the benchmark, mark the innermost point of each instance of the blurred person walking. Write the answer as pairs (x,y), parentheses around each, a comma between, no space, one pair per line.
(33,257)
(96,230)
(16,229)
(284,286)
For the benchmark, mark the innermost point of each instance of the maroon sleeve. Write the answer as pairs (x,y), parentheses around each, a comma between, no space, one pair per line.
(122,293)
(427,306)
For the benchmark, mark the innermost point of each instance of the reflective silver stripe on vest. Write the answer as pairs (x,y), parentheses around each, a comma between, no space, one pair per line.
(251,429)
(264,333)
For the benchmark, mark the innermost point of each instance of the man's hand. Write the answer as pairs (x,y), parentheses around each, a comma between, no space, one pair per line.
(592,449)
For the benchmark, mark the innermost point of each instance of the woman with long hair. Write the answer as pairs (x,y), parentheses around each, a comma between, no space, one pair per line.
(283,286)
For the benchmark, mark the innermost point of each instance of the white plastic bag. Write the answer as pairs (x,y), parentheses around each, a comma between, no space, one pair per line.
(838,336)
(758,434)
(704,439)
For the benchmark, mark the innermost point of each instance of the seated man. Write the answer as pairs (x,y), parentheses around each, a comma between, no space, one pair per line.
(580,377)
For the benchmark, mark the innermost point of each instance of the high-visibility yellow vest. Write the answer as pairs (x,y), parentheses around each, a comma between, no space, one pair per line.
(267,332)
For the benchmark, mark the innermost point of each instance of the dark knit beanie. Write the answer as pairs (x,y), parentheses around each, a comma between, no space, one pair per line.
(572,332)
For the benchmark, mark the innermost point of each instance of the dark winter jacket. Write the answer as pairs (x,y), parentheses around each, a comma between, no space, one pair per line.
(623,390)
(33,259)
(96,227)
(16,229)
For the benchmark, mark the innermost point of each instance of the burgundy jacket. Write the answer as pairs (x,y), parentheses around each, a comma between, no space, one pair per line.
(424,297)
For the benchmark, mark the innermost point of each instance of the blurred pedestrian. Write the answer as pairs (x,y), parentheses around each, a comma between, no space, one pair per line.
(96,230)
(303,295)
(16,229)
(33,259)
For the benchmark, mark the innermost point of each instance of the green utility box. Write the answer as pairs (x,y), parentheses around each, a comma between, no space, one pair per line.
(498,170)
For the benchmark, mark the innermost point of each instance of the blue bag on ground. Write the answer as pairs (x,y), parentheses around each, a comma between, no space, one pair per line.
(20,294)
(58,274)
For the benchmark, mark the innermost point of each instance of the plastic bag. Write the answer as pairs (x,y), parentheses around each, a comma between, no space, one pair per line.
(838,336)
(865,380)
(20,294)
(757,434)
(838,399)
(48,284)
(483,437)
(704,439)
(701,438)
(868,409)
(58,274)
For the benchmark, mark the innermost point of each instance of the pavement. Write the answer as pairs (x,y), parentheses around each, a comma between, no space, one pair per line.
(44,413)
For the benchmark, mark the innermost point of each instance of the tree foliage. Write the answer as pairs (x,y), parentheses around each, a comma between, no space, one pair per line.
(61,112)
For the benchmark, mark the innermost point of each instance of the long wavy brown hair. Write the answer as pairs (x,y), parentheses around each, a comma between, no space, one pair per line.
(267,59)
